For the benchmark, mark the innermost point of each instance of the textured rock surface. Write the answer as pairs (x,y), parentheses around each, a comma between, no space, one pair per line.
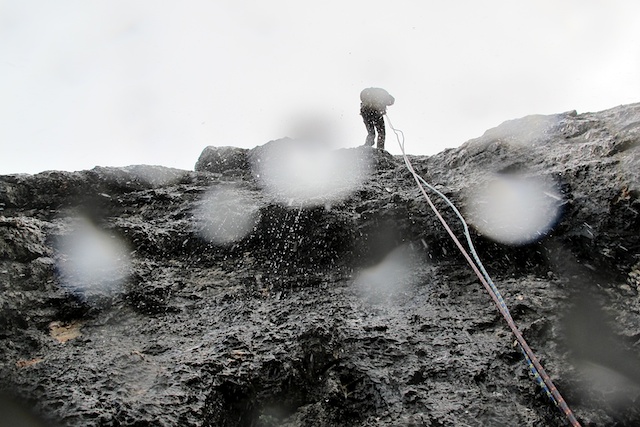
(282,327)
(222,159)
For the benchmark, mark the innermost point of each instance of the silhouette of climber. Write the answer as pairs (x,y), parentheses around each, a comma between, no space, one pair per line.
(373,107)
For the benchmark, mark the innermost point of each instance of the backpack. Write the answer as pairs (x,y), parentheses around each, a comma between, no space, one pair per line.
(377,98)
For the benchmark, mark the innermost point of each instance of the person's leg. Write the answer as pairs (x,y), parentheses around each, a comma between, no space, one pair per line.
(371,131)
(379,125)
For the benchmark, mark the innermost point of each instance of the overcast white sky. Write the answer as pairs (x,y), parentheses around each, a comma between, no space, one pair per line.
(114,83)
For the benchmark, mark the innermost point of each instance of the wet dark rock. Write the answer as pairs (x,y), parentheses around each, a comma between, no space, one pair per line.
(298,323)
(222,159)
(22,239)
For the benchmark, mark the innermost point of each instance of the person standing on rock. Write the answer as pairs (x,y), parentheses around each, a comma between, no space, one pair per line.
(373,106)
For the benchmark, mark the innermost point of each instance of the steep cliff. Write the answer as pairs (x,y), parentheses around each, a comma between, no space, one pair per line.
(218,297)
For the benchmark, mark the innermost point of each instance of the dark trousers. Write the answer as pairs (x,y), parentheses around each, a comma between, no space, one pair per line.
(373,120)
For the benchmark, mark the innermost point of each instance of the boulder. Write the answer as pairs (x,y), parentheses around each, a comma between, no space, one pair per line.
(222,159)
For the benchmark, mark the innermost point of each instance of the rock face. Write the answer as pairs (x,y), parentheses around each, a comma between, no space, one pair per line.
(356,311)
(222,159)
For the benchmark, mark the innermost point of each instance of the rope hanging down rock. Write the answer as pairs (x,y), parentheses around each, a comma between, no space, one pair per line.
(540,375)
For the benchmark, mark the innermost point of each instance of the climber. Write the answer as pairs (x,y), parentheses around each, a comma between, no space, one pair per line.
(373,107)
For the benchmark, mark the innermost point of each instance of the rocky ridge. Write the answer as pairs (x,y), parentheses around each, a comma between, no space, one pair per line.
(290,323)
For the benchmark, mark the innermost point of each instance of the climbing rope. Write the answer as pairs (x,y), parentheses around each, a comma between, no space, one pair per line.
(534,365)
(495,290)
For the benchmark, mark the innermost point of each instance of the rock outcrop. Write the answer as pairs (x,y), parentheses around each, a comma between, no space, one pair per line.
(153,296)
(222,160)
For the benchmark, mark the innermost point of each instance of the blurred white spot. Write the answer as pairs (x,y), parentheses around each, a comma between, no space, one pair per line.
(312,125)
(391,276)
(524,131)
(513,210)
(309,172)
(92,262)
(608,384)
(629,170)
(225,215)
